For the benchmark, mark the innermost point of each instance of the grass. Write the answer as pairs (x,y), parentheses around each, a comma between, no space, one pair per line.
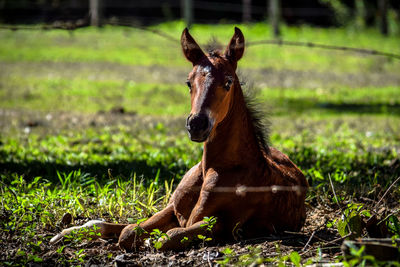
(85,95)
(29,206)
(76,177)
(91,96)
(64,150)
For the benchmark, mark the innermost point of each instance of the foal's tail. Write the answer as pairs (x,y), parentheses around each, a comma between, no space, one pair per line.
(106,230)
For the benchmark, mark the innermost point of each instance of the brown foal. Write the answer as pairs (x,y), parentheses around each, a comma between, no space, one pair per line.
(240,180)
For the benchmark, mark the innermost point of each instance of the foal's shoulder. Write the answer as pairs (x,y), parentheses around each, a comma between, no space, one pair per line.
(279,157)
(281,163)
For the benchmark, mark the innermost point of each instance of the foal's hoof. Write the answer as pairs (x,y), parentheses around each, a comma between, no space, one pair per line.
(129,239)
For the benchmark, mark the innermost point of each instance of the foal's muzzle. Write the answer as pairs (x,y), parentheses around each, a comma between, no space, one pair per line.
(198,127)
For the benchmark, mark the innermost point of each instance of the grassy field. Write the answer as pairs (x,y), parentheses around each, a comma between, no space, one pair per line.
(92,124)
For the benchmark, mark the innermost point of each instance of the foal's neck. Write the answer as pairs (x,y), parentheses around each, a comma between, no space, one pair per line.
(234,141)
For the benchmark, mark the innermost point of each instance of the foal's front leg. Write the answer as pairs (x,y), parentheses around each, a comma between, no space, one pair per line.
(180,238)
(206,206)
(104,229)
(163,220)
(181,203)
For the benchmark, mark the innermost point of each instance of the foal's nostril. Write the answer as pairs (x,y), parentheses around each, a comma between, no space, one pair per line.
(198,123)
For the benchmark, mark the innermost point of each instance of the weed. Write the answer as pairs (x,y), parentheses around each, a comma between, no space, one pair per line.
(209,223)
(156,237)
(228,256)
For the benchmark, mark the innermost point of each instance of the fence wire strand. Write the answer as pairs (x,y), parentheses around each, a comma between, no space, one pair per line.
(70,26)
(324,46)
(242,190)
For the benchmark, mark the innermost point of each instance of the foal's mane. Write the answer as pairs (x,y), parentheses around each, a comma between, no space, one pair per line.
(258,116)
(213,47)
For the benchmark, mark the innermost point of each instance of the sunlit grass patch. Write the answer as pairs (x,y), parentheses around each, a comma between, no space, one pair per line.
(86,95)
(32,209)
(83,94)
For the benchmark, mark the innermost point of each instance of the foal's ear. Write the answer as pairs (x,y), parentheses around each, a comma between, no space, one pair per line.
(234,51)
(191,49)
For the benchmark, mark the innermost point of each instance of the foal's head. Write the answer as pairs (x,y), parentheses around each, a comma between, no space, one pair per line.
(211,83)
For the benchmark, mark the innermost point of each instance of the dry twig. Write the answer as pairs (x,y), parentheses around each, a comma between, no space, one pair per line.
(340,207)
(384,195)
(308,242)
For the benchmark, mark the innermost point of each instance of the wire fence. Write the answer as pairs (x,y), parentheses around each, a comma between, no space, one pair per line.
(71,26)
(315,12)
(242,190)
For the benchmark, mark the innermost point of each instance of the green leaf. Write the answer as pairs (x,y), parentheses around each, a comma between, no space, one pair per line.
(394,224)
(366,213)
(295,258)
(21,252)
(139,230)
(37,259)
(330,224)
(157,244)
(227,251)
(342,228)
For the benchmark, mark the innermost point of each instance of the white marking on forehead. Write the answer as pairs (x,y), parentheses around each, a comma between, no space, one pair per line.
(205,69)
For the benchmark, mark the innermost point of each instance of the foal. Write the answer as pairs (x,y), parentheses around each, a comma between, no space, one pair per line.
(240,180)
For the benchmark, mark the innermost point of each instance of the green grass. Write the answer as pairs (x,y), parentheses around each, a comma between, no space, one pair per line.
(85,95)
(28,206)
(124,174)
(348,146)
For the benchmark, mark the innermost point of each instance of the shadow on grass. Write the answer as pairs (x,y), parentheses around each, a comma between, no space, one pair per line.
(124,169)
(358,170)
(377,108)
(306,104)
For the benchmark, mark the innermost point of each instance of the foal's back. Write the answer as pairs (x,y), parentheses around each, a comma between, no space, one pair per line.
(284,207)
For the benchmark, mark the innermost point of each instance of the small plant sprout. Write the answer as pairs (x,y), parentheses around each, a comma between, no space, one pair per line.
(228,255)
(208,224)
(138,229)
(77,236)
(156,237)
(295,258)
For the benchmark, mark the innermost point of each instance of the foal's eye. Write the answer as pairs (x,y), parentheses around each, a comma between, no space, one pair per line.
(189,85)
(228,84)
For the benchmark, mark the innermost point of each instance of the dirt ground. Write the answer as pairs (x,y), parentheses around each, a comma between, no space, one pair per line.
(314,241)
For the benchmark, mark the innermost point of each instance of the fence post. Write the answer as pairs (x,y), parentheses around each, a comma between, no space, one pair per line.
(187,12)
(95,12)
(360,13)
(246,15)
(274,13)
(383,10)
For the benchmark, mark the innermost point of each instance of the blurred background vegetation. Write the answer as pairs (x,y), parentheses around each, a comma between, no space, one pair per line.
(326,13)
